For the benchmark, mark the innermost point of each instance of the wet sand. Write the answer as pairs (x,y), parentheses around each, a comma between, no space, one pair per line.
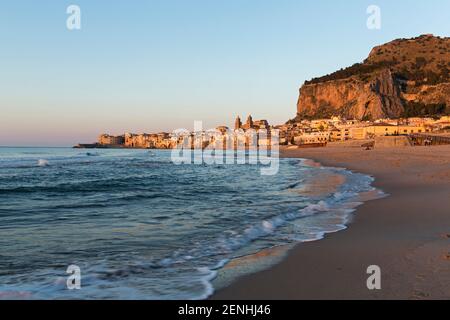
(406,234)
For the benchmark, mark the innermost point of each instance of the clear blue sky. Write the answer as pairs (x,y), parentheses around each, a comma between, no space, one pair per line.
(148,66)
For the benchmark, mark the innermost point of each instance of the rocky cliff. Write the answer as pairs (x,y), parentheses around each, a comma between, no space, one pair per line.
(406,77)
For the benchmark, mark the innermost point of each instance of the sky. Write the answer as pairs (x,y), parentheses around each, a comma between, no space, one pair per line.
(159,65)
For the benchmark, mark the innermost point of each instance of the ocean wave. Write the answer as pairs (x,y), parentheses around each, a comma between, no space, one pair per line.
(341,204)
(90,158)
(93,185)
(43,163)
(149,229)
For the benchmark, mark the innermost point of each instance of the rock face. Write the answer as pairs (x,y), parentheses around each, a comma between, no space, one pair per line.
(406,77)
(352,98)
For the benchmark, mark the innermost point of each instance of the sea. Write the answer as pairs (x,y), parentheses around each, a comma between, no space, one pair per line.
(137,226)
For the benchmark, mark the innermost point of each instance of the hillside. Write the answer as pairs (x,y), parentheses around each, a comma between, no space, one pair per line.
(405,77)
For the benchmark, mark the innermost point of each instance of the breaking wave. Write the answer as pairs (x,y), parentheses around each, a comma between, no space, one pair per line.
(140,227)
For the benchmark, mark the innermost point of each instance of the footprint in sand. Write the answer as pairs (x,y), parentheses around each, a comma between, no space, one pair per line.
(420,295)
(420,277)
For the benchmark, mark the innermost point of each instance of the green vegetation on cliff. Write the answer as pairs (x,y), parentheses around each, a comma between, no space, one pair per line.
(405,77)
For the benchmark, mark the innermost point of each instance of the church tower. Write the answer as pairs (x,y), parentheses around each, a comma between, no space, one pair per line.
(249,122)
(237,123)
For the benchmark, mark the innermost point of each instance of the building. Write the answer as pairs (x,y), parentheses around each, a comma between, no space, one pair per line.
(249,124)
(237,123)
(385,129)
(222,129)
(336,135)
(320,124)
(161,140)
(261,124)
(358,133)
(444,119)
(312,138)
(108,140)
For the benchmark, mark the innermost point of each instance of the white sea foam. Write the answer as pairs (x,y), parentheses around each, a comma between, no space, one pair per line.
(222,222)
(43,163)
(340,205)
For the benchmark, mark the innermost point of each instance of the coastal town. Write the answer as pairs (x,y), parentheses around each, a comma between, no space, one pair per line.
(225,156)
(304,133)
(398,96)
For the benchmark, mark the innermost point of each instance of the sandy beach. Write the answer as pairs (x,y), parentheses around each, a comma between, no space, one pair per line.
(406,234)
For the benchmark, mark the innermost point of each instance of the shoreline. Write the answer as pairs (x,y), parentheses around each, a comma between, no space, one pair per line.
(320,188)
(407,234)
